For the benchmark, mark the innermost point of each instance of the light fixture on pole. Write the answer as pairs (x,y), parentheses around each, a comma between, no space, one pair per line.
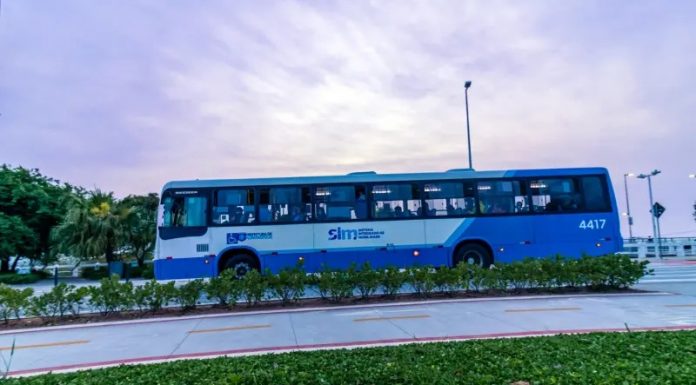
(692,176)
(655,219)
(467,84)
(628,206)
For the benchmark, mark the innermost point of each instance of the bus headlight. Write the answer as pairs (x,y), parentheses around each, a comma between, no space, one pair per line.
(416,253)
(598,244)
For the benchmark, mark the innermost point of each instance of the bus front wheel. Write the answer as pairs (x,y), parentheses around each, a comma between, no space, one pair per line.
(240,264)
(473,254)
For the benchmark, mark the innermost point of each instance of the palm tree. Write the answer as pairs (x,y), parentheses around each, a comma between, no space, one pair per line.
(141,226)
(94,226)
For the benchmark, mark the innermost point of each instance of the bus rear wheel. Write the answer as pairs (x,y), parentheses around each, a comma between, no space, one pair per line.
(240,264)
(473,254)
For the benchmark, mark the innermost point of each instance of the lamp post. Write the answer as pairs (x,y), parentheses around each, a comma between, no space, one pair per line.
(655,221)
(692,176)
(467,84)
(628,206)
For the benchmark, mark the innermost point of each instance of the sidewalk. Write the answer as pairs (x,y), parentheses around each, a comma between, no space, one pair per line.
(94,345)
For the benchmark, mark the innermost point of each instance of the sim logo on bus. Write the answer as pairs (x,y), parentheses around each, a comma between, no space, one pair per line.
(353,234)
(341,234)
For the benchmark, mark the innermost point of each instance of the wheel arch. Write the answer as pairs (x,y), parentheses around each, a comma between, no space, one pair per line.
(478,241)
(229,252)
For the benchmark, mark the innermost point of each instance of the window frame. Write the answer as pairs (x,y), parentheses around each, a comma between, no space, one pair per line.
(213,200)
(172,232)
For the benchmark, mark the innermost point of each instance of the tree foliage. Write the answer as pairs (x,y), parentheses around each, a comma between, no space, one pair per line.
(95,225)
(139,233)
(31,204)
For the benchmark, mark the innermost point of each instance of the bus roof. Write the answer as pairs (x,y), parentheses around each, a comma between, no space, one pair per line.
(372,177)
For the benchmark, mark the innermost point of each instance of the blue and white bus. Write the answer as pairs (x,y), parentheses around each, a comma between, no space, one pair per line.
(438,219)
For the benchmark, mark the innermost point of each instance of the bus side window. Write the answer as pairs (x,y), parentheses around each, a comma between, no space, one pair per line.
(594,194)
(234,206)
(284,205)
(555,195)
(400,200)
(502,197)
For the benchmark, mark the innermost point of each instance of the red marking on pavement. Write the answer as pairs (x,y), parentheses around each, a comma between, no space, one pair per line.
(272,349)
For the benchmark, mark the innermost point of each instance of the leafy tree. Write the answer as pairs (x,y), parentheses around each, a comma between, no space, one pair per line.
(31,205)
(94,226)
(15,239)
(141,225)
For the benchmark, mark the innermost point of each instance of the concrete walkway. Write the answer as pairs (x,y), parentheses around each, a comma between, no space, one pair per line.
(83,346)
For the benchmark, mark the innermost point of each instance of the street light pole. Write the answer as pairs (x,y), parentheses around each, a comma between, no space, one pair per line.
(467,84)
(655,220)
(628,207)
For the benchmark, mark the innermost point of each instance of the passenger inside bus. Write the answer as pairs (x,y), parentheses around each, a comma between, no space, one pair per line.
(297,215)
(398,212)
(321,214)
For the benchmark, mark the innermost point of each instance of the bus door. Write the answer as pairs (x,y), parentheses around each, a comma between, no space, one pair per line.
(561,227)
(184,239)
(505,223)
(575,216)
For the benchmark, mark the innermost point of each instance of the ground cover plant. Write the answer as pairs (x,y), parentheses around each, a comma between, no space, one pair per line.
(598,358)
(113,297)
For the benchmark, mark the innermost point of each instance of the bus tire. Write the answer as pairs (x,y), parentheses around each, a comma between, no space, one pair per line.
(241,264)
(473,254)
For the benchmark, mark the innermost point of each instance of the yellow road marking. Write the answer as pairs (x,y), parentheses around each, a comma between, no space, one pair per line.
(416,316)
(48,345)
(542,309)
(686,305)
(231,328)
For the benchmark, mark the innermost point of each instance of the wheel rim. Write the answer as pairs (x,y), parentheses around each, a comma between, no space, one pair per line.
(241,269)
(473,258)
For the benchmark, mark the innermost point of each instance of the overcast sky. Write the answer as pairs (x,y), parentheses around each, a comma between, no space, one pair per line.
(125,95)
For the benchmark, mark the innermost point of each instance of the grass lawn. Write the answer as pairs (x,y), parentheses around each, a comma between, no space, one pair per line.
(598,358)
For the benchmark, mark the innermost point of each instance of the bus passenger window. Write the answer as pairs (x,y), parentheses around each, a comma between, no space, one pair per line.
(594,194)
(555,195)
(449,199)
(396,201)
(502,197)
(284,205)
(234,206)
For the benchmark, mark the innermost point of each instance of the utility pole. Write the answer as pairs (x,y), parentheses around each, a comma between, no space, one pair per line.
(467,84)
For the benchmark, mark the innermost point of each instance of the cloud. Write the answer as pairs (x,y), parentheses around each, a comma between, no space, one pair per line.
(127,95)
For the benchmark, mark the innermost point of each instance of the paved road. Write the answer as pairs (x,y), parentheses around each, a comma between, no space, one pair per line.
(671,276)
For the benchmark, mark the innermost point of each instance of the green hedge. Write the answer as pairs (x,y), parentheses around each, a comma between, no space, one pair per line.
(645,358)
(19,279)
(355,283)
(95,273)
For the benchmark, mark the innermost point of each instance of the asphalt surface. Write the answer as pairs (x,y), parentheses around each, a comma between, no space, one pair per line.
(77,347)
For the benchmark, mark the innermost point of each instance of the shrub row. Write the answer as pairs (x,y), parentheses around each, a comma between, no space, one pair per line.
(19,279)
(99,272)
(645,358)
(357,282)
